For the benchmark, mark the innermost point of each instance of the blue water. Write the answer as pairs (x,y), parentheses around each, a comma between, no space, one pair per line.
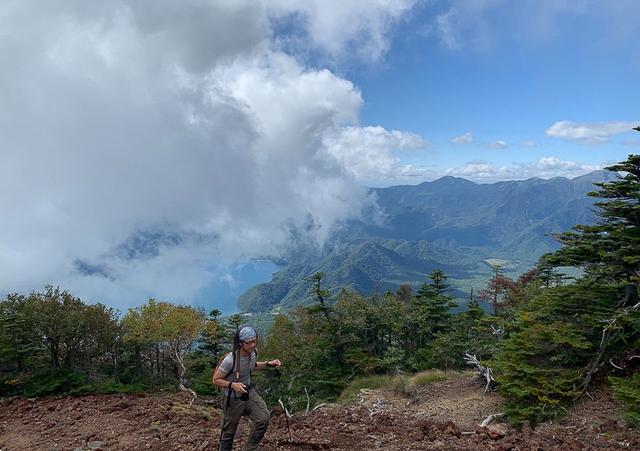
(229,283)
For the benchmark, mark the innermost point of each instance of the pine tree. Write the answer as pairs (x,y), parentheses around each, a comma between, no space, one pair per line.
(430,316)
(610,249)
(561,338)
(214,338)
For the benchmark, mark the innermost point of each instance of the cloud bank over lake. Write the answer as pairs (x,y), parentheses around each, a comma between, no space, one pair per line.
(146,142)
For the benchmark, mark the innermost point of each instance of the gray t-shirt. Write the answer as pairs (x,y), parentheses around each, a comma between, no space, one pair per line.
(247,364)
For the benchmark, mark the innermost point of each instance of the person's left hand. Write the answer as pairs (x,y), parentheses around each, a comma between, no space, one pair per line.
(274,363)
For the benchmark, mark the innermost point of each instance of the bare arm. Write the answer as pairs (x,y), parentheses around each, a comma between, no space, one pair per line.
(268,364)
(220,381)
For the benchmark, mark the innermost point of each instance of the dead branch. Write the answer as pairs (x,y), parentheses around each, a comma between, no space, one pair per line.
(484,372)
(614,365)
(193,396)
(597,362)
(306,411)
(318,406)
(284,409)
(487,421)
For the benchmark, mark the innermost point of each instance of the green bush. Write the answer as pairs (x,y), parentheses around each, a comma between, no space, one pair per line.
(543,362)
(11,386)
(628,390)
(202,384)
(54,382)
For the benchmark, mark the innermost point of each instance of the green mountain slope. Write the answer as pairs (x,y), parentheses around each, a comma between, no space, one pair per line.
(450,223)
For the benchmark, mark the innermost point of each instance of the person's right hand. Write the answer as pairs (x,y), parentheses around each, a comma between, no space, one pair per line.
(239,387)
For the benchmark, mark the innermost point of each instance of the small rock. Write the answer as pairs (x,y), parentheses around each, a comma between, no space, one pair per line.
(496,431)
(451,428)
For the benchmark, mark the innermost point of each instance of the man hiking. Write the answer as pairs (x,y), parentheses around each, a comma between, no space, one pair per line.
(233,375)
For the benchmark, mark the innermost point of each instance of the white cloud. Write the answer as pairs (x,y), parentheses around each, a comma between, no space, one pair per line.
(545,167)
(528,143)
(447,30)
(338,28)
(143,142)
(465,138)
(367,152)
(590,132)
(499,144)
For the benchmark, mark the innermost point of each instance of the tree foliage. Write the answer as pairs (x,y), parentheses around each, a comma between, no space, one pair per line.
(564,339)
(326,345)
(55,333)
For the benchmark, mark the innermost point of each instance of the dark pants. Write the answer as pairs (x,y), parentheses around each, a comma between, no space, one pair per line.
(255,409)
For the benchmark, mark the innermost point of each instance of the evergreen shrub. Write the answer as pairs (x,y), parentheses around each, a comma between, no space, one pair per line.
(628,390)
(543,362)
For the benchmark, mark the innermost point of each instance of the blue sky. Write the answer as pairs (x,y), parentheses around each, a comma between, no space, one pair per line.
(151,148)
(581,66)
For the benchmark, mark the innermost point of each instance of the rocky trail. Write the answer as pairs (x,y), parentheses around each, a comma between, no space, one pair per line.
(441,415)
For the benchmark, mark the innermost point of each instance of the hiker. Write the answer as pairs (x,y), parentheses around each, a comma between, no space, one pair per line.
(233,375)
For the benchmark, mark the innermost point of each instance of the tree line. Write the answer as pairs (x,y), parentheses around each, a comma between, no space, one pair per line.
(52,343)
(549,338)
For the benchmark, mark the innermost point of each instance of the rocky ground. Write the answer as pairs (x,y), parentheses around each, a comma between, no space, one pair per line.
(441,415)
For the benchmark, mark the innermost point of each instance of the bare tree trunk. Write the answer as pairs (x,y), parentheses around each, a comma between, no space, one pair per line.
(182,370)
(484,372)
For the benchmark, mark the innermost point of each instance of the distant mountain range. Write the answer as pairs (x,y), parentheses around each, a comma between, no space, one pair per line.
(451,223)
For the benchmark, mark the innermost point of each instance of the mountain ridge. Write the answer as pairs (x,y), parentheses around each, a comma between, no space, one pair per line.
(451,223)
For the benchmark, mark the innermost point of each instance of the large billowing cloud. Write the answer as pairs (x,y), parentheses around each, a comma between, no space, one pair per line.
(367,152)
(143,142)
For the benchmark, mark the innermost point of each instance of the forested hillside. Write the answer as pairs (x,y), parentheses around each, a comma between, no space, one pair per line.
(452,224)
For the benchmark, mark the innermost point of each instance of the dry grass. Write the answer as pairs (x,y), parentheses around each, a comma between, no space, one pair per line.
(405,385)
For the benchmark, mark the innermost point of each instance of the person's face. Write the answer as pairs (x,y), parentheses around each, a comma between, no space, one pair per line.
(249,345)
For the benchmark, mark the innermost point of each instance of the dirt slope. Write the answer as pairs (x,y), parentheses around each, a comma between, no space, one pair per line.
(442,415)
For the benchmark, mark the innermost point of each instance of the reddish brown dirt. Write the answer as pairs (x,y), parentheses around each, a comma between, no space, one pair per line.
(442,415)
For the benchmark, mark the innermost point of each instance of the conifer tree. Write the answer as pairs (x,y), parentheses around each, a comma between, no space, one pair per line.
(214,337)
(609,249)
(430,316)
(566,334)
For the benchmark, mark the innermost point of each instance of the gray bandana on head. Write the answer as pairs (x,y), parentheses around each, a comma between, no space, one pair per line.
(247,333)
